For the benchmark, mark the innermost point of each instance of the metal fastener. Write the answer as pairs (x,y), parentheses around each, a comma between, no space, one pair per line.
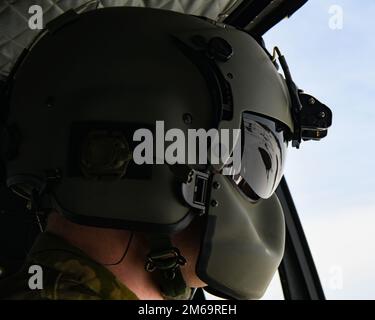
(216,185)
(214,203)
(322,114)
(220,49)
(187,118)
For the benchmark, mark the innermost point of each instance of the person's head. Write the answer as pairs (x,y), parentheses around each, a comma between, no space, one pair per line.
(112,136)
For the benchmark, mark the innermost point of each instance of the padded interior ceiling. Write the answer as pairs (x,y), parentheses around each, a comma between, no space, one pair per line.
(15,33)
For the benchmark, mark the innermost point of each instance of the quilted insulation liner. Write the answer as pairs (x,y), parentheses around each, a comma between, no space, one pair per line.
(15,33)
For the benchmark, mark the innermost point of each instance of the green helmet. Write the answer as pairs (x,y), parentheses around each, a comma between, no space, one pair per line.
(90,81)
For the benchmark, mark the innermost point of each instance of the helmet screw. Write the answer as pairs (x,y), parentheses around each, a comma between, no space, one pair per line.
(216,185)
(322,114)
(311,101)
(214,203)
(190,176)
(188,118)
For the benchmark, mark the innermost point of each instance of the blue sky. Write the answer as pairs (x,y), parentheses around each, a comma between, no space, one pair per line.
(333,181)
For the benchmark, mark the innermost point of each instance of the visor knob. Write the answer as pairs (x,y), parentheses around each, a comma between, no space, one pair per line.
(311,101)
(220,49)
(216,185)
(214,203)
(187,118)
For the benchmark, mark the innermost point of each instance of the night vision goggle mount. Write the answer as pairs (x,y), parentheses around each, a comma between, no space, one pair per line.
(311,117)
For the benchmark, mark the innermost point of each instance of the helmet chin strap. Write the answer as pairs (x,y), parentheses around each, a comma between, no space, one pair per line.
(165,261)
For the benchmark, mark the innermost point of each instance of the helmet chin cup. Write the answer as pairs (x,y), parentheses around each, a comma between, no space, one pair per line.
(243,242)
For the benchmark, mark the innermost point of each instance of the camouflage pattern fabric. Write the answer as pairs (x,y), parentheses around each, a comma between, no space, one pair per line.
(68,274)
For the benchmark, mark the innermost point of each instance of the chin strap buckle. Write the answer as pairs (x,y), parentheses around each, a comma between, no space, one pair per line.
(166,260)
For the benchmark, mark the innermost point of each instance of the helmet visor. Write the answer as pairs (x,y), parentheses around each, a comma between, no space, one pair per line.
(263,156)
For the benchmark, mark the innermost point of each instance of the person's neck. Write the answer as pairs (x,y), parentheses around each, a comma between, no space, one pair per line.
(107,246)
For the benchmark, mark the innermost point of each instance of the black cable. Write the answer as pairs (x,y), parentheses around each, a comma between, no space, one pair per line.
(125,252)
(99,263)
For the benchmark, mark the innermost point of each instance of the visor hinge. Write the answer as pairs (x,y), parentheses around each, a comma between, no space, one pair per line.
(311,117)
(195,190)
(315,118)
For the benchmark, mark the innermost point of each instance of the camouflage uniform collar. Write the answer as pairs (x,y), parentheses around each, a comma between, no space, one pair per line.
(53,252)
